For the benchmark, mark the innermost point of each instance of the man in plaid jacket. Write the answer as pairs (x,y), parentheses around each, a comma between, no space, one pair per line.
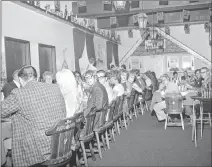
(33,109)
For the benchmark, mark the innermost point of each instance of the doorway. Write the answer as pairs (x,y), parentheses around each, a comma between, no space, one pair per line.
(17,54)
(47,59)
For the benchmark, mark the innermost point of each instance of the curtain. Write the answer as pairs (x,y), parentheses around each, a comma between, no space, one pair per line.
(109,46)
(17,54)
(47,59)
(115,54)
(90,46)
(79,39)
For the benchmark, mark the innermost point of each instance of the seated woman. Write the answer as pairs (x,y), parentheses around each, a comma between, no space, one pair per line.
(159,107)
(68,86)
(157,98)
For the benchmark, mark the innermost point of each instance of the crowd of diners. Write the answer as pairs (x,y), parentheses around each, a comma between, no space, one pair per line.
(35,104)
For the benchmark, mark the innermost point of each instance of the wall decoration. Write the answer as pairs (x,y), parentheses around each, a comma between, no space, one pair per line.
(207,27)
(172,63)
(188,63)
(107,5)
(187,28)
(186,15)
(130,33)
(153,44)
(167,30)
(160,17)
(57,6)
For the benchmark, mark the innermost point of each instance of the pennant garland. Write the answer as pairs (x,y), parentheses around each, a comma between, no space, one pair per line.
(113,20)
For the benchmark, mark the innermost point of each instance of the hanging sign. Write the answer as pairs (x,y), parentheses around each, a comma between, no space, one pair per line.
(155,44)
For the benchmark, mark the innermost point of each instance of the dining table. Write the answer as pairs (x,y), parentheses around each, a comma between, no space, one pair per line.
(6,138)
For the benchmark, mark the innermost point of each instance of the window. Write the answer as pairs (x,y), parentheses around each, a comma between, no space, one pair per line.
(17,54)
(193,1)
(134,4)
(163,2)
(47,58)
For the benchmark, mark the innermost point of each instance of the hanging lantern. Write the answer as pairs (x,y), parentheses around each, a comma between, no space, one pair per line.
(119,5)
(167,30)
(160,17)
(186,15)
(142,20)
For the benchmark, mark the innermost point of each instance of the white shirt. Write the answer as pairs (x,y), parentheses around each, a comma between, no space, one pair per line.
(17,84)
(118,90)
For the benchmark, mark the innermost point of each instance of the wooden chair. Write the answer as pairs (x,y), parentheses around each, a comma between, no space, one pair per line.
(88,135)
(62,137)
(101,130)
(109,124)
(131,104)
(174,105)
(122,115)
(116,115)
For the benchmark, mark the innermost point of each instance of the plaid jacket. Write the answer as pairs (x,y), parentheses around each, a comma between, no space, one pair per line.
(33,109)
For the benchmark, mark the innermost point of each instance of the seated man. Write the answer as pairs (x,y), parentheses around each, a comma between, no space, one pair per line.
(98,98)
(33,109)
(8,87)
(170,88)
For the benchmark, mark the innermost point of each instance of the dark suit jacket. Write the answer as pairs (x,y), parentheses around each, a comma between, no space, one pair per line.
(7,88)
(98,99)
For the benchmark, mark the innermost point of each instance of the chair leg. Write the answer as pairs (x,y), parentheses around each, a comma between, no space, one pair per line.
(116,128)
(209,116)
(182,122)
(84,153)
(77,159)
(103,141)
(201,119)
(98,145)
(107,140)
(92,152)
(117,123)
(113,134)
(142,109)
(166,121)
(125,122)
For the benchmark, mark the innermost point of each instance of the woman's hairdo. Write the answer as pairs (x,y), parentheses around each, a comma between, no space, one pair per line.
(27,72)
(47,73)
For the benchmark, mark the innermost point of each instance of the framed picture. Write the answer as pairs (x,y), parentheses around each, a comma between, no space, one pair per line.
(173,63)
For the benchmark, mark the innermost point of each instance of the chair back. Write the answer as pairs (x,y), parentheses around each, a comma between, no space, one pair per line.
(174,103)
(89,121)
(62,134)
(103,115)
(79,117)
(121,104)
(111,109)
(131,99)
(136,98)
(116,110)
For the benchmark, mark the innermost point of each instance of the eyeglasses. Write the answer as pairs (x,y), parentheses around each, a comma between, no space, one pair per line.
(202,72)
(88,77)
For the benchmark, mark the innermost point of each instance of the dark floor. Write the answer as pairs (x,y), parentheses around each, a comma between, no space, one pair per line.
(147,143)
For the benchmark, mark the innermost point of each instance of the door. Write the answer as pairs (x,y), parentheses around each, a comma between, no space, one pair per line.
(47,59)
(17,54)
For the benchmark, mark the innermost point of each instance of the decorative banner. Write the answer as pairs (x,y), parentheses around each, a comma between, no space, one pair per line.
(187,28)
(81,6)
(188,63)
(113,20)
(100,52)
(155,44)
(135,19)
(107,5)
(167,30)
(186,15)
(207,27)
(160,17)
(130,33)
(57,6)
(172,63)
(134,4)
